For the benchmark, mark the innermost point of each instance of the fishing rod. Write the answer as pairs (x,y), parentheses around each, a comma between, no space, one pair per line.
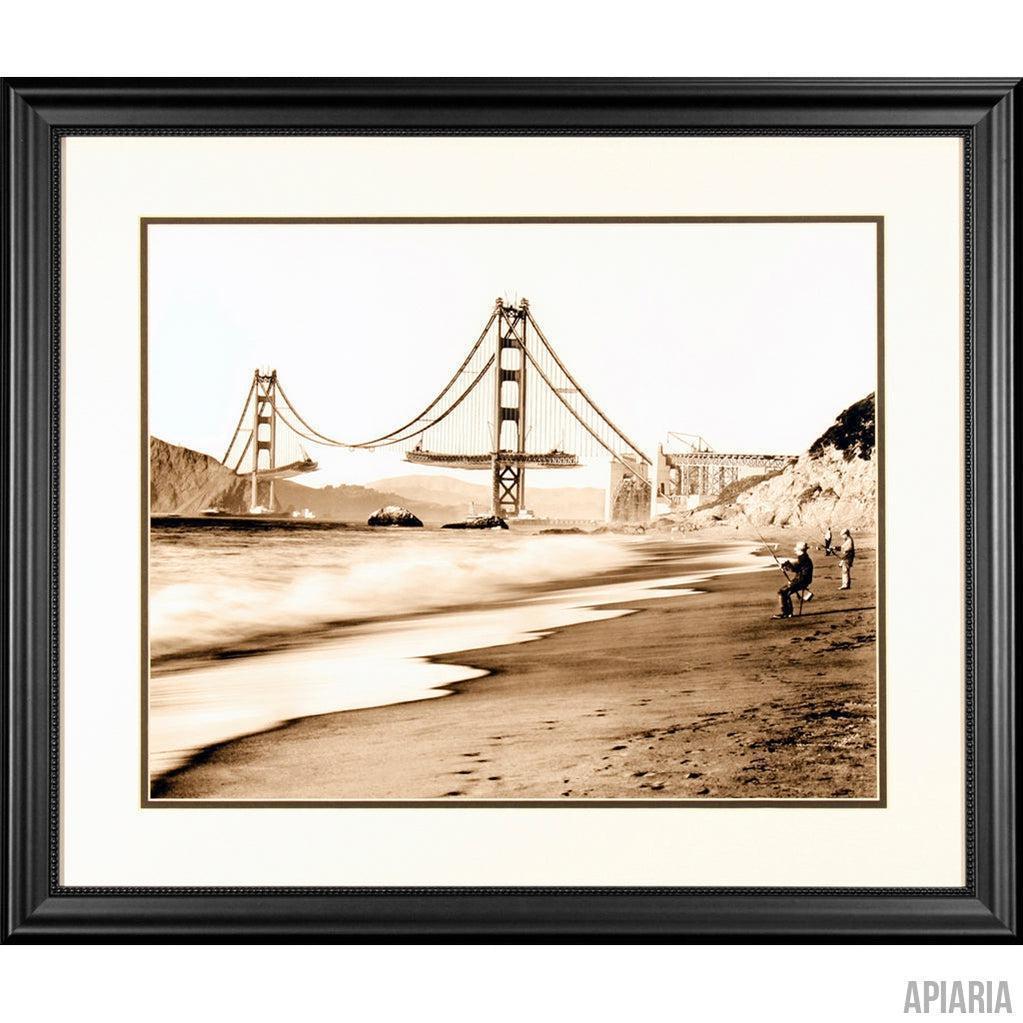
(769,547)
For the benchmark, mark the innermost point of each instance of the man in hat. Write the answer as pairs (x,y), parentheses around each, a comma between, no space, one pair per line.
(800,575)
(847,555)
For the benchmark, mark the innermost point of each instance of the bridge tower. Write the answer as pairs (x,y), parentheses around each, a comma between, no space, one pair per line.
(508,471)
(264,433)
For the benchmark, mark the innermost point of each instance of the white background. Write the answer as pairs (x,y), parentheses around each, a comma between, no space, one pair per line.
(455,984)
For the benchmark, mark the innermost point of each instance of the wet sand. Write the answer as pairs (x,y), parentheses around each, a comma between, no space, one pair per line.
(696,697)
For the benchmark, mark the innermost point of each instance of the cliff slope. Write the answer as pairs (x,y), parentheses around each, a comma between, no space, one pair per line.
(834,483)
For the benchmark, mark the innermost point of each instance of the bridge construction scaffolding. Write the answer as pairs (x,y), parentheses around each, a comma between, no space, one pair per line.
(688,476)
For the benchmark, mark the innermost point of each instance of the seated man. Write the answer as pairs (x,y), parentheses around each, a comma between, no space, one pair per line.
(800,575)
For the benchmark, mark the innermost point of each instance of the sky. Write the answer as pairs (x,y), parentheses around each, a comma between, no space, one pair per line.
(754,336)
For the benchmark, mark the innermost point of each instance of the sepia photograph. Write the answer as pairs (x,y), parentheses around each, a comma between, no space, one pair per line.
(550,510)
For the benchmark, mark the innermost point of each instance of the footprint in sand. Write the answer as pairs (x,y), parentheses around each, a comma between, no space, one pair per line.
(453,793)
(470,771)
(494,777)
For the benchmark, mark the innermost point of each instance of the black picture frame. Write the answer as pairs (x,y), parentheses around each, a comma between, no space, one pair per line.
(37,114)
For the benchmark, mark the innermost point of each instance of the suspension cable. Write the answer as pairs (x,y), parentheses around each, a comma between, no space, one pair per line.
(433,404)
(614,454)
(320,438)
(402,434)
(376,441)
(245,451)
(305,436)
(241,419)
(439,419)
(585,396)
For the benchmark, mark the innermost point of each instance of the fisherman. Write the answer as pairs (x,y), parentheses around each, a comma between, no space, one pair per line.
(828,549)
(799,574)
(847,555)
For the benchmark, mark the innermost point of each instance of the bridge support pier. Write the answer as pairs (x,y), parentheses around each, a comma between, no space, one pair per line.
(508,479)
(629,497)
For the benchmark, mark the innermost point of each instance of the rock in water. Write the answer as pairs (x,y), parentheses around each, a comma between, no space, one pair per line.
(393,515)
(478,522)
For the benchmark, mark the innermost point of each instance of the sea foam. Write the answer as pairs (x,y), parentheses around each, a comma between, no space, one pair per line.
(211,592)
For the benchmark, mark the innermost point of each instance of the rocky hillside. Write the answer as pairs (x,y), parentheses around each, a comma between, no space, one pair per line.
(852,433)
(184,482)
(834,483)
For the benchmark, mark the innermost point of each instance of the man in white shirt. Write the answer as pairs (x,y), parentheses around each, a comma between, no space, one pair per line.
(847,555)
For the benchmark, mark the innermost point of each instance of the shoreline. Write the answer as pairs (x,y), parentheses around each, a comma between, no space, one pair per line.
(400,659)
(686,697)
(658,550)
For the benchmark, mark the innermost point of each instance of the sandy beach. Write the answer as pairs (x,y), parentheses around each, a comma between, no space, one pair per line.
(700,696)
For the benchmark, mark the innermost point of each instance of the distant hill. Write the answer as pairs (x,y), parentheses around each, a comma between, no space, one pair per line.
(544,502)
(184,482)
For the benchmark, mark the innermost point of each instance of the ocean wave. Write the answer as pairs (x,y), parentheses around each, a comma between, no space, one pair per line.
(207,597)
